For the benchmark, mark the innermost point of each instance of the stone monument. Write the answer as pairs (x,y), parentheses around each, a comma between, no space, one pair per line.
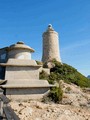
(21,73)
(50,45)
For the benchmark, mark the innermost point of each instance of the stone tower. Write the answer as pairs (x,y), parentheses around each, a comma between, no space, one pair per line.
(50,45)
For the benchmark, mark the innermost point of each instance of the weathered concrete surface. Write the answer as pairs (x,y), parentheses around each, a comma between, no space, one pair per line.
(19,51)
(16,73)
(22,74)
(19,54)
(26,83)
(26,93)
(20,62)
(21,69)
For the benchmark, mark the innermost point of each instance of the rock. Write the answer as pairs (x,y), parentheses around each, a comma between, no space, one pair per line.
(20,104)
(67,112)
(40,105)
(37,119)
(75,106)
(27,111)
(64,117)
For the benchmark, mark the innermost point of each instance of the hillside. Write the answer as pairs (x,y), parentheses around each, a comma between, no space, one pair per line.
(67,73)
(74,101)
(75,106)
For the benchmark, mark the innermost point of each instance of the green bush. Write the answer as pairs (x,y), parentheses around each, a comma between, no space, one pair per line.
(67,90)
(53,77)
(43,75)
(68,74)
(56,94)
(63,72)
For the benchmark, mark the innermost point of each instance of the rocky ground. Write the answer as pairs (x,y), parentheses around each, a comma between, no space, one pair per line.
(75,106)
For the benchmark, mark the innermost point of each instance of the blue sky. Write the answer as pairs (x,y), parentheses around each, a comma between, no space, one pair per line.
(26,20)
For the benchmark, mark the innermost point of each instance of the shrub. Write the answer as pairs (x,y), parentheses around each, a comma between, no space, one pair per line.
(43,75)
(56,94)
(67,90)
(53,77)
(68,74)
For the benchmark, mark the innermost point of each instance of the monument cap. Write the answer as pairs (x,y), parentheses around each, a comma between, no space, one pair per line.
(20,42)
(20,45)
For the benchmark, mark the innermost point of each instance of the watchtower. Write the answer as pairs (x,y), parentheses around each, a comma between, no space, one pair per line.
(50,45)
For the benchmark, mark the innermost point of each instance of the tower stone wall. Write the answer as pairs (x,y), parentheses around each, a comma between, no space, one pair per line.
(50,45)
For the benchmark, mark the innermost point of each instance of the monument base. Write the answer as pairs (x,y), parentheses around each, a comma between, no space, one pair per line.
(26,89)
(24,94)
